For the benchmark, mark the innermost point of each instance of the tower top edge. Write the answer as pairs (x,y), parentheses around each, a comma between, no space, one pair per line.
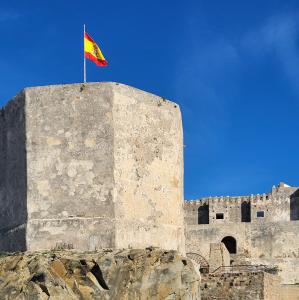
(113,86)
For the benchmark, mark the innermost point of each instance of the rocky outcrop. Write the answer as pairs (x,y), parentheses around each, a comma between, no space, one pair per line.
(105,274)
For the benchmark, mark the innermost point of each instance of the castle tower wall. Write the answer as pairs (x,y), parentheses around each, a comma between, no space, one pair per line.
(148,170)
(102,167)
(70,166)
(13,175)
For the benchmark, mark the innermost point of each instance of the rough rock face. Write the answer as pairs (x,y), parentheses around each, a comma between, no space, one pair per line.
(243,285)
(106,274)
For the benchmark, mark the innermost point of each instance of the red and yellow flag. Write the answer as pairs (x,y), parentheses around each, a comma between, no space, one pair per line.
(93,52)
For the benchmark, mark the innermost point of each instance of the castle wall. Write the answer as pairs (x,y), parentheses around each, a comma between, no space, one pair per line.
(282,204)
(199,237)
(276,207)
(191,211)
(268,236)
(229,207)
(275,243)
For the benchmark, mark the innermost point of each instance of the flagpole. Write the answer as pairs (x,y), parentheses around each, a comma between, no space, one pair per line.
(84,64)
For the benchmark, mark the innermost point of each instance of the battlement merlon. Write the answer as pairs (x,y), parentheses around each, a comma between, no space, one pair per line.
(83,164)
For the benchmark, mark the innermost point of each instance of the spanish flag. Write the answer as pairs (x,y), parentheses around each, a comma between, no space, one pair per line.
(93,52)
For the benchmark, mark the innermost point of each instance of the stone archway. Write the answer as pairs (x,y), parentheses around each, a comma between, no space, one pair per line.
(200,260)
(230,244)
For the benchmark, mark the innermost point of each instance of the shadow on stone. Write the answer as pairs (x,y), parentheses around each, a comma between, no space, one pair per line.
(96,271)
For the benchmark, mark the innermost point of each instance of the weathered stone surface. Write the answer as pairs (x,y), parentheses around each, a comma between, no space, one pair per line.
(289,292)
(270,240)
(149,274)
(281,204)
(219,256)
(236,286)
(90,166)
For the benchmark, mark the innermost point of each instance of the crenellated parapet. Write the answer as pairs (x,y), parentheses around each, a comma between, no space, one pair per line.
(272,206)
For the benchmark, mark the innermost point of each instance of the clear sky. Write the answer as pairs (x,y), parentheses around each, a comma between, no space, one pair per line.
(233,66)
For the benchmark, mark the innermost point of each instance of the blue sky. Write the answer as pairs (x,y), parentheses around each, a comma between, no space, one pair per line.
(233,66)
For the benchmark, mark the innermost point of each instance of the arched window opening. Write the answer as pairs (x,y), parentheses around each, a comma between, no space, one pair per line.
(230,244)
(245,212)
(203,214)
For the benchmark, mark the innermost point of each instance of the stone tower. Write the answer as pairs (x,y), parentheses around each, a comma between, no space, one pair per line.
(93,166)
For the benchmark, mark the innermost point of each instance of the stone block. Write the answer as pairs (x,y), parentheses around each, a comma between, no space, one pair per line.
(219,256)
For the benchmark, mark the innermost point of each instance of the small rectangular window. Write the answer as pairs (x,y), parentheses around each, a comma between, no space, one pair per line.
(219,216)
(260,214)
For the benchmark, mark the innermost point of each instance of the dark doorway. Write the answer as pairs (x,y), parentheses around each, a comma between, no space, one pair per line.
(203,214)
(230,244)
(294,206)
(245,212)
